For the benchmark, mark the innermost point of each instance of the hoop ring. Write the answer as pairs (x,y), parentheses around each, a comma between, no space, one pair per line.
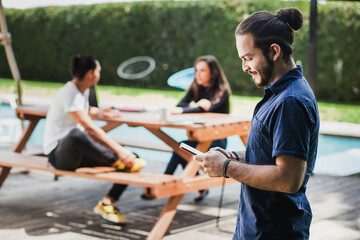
(128,62)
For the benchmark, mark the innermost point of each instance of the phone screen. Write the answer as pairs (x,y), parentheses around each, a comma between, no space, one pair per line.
(190,149)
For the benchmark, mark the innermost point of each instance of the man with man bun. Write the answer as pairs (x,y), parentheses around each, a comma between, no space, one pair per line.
(282,143)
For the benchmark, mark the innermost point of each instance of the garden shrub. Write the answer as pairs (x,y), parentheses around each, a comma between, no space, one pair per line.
(175,34)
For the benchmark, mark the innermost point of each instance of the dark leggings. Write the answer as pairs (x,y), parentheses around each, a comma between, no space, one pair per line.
(175,159)
(77,150)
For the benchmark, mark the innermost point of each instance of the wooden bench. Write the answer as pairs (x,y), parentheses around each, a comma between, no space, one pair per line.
(215,126)
(156,185)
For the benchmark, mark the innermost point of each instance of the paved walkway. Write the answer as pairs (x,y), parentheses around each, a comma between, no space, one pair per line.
(36,207)
(340,129)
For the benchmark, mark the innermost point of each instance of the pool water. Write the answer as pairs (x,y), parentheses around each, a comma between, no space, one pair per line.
(328,145)
(332,144)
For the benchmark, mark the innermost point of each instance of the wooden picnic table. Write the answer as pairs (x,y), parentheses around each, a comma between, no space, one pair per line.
(201,127)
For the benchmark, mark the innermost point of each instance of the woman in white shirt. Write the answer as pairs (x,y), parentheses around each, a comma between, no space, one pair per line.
(72,140)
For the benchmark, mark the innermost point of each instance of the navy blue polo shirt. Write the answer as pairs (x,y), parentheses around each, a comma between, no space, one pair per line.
(285,123)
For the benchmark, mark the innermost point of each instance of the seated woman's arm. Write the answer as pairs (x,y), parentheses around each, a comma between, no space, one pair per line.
(105,112)
(205,105)
(186,100)
(220,106)
(100,136)
(185,105)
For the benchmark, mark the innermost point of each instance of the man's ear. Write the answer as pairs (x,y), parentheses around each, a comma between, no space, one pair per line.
(274,52)
(89,73)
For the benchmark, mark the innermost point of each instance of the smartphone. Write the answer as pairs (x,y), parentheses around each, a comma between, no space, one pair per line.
(190,149)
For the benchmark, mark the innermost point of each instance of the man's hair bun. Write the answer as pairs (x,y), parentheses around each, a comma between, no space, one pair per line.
(292,17)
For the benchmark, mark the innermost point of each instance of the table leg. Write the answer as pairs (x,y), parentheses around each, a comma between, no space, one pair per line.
(170,142)
(3,174)
(110,126)
(190,170)
(165,218)
(26,135)
(244,139)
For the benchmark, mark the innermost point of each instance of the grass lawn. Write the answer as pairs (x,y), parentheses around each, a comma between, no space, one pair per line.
(338,112)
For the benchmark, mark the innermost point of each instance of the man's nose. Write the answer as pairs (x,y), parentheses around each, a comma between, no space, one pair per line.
(245,67)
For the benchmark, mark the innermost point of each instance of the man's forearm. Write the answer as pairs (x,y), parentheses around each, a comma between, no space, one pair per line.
(268,177)
(238,155)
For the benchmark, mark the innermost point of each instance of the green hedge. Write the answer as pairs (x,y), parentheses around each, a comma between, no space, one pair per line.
(175,34)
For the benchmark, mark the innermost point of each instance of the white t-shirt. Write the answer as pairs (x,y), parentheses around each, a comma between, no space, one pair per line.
(58,122)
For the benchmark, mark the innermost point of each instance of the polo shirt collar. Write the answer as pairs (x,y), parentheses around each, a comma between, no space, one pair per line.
(285,80)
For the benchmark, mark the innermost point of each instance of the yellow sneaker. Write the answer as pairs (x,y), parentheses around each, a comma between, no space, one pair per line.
(109,212)
(139,164)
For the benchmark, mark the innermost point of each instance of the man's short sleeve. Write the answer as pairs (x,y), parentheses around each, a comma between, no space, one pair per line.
(291,129)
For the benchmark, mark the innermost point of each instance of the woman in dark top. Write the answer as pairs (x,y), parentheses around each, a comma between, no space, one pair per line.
(209,92)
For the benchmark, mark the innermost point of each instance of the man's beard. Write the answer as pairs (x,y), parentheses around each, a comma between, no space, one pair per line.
(266,72)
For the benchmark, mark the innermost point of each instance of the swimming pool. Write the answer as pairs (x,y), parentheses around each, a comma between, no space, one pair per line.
(335,154)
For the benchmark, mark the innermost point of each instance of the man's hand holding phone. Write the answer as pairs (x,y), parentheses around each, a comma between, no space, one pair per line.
(191,150)
(212,162)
